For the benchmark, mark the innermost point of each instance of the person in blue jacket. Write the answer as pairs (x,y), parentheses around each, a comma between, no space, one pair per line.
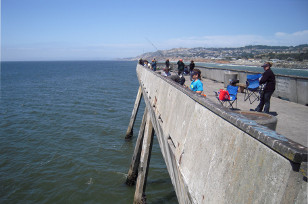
(154,64)
(196,85)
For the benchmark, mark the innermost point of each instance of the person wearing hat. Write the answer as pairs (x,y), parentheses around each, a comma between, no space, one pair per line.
(196,85)
(268,83)
(181,66)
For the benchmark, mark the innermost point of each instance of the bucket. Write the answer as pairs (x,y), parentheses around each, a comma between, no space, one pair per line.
(261,118)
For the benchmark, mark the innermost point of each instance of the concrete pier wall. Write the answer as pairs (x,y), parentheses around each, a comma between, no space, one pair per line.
(287,87)
(214,155)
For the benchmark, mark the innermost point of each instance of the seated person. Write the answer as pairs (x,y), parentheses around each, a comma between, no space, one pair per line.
(186,71)
(196,85)
(165,72)
(178,78)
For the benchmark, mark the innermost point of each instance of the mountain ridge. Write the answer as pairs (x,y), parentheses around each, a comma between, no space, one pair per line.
(228,53)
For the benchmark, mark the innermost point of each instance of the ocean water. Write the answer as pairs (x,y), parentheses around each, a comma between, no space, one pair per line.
(62,129)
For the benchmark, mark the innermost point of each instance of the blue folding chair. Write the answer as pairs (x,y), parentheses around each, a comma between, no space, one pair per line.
(232,90)
(252,88)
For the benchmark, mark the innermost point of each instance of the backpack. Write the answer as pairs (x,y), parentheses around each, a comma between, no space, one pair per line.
(224,95)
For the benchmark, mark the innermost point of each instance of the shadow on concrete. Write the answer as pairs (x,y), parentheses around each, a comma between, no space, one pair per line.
(235,109)
(273,113)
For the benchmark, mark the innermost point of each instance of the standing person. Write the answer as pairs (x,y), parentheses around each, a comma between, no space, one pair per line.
(140,61)
(191,67)
(268,82)
(181,66)
(167,63)
(196,85)
(154,65)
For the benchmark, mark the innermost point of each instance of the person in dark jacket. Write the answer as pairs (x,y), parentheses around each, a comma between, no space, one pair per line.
(191,67)
(267,83)
(178,78)
(181,66)
(167,63)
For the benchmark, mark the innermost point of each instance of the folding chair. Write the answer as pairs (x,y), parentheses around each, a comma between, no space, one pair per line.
(252,88)
(232,90)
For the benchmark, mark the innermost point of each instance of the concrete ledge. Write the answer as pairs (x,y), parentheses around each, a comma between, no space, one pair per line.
(284,146)
(214,155)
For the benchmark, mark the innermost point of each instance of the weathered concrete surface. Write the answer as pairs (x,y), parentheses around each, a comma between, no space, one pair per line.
(214,155)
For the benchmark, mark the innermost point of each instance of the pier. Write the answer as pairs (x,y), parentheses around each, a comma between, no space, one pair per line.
(215,154)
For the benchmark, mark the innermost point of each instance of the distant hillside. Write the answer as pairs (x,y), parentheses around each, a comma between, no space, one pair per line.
(297,53)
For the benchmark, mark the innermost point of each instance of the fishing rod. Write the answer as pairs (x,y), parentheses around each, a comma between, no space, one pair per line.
(155,47)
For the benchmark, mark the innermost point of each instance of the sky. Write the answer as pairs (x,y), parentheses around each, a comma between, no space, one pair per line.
(40,30)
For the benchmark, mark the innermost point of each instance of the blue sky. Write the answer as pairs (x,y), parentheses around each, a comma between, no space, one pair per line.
(100,29)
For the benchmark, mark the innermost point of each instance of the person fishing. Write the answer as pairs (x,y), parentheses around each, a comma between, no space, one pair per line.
(154,64)
(267,83)
(167,63)
(181,66)
(191,68)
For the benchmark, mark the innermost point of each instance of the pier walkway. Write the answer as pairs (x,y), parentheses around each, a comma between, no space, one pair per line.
(292,117)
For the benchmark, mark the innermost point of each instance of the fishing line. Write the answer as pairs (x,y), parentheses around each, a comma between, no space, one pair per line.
(155,47)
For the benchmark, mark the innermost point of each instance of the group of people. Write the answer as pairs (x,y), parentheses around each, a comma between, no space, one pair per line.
(267,81)
(145,63)
(195,75)
(183,69)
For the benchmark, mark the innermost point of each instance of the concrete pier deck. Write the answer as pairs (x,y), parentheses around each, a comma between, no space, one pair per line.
(292,117)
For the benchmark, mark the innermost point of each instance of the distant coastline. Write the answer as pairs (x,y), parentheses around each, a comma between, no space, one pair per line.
(293,57)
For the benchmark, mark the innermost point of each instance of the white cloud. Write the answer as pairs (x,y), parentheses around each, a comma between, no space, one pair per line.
(300,37)
(279,38)
(303,33)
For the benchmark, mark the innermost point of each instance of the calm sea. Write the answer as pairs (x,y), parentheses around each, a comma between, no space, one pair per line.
(62,129)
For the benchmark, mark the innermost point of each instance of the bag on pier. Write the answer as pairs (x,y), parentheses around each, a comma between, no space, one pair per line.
(224,95)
